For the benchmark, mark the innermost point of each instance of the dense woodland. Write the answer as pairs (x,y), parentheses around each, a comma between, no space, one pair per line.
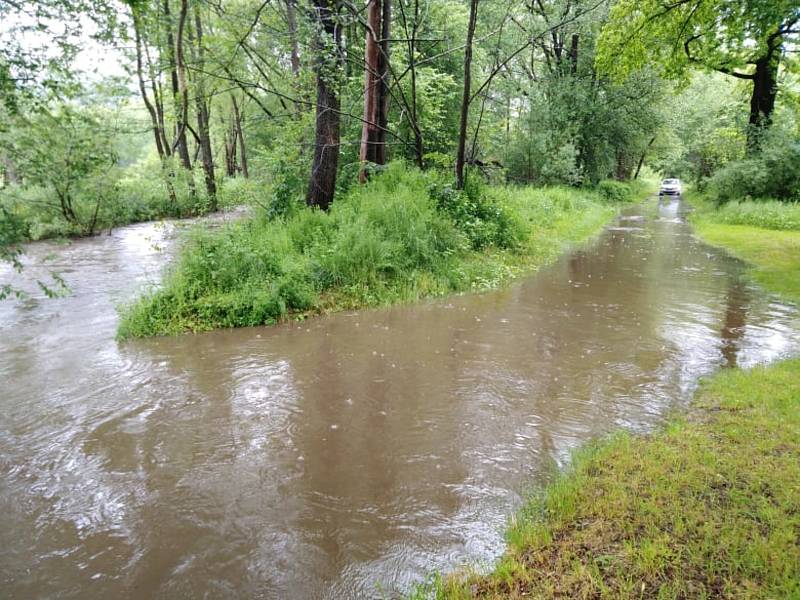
(285,103)
(315,96)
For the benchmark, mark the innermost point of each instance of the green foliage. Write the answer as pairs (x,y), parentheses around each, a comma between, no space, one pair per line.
(66,153)
(484,220)
(13,231)
(614,191)
(773,173)
(767,214)
(718,34)
(704,130)
(404,235)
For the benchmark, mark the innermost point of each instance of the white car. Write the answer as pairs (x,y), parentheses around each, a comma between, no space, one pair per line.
(670,187)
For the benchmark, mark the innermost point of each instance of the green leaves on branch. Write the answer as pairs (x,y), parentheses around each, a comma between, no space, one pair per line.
(724,35)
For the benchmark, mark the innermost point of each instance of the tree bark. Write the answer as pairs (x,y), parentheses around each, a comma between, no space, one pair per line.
(411,40)
(376,85)
(291,18)
(642,157)
(203,117)
(322,183)
(174,54)
(573,53)
(240,136)
(762,99)
(137,31)
(158,100)
(383,72)
(462,130)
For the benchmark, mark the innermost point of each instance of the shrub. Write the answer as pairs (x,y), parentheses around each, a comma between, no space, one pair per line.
(479,215)
(773,173)
(614,191)
(235,191)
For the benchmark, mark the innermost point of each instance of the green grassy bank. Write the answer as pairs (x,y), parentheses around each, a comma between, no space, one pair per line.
(405,235)
(765,234)
(709,507)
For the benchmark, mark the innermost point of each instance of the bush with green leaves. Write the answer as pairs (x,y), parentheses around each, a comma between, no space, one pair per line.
(66,151)
(614,191)
(479,215)
(772,173)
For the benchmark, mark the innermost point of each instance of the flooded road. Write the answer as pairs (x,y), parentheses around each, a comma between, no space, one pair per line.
(346,456)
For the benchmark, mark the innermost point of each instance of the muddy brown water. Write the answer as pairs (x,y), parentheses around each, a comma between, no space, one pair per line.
(347,456)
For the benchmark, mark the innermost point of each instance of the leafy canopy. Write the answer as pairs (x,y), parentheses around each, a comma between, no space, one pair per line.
(723,35)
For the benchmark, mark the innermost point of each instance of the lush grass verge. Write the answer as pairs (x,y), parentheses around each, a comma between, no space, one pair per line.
(707,508)
(404,236)
(765,234)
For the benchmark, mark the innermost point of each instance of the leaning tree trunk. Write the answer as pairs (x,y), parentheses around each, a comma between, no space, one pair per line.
(462,130)
(137,31)
(642,157)
(322,183)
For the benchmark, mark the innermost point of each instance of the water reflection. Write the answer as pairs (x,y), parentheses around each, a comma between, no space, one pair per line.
(345,456)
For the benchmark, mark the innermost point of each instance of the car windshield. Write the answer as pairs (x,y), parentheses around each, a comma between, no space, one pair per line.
(669,182)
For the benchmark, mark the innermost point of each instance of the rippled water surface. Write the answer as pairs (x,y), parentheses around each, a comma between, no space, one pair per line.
(349,455)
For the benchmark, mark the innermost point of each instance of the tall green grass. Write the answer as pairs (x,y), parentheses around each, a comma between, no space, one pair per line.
(765,234)
(403,236)
(767,214)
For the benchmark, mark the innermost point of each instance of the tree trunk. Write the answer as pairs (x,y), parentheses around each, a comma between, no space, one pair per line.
(376,85)
(462,130)
(240,135)
(411,40)
(573,53)
(230,151)
(383,72)
(762,100)
(291,17)
(203,118)
(322,184)
(180,143)
(158,100)
(642,157)
(137,31)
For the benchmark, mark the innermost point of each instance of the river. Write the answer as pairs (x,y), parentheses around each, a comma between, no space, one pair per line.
(346,456)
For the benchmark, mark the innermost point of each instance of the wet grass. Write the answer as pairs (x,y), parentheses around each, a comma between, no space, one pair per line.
(769,240)
(707,508)
(404,236)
